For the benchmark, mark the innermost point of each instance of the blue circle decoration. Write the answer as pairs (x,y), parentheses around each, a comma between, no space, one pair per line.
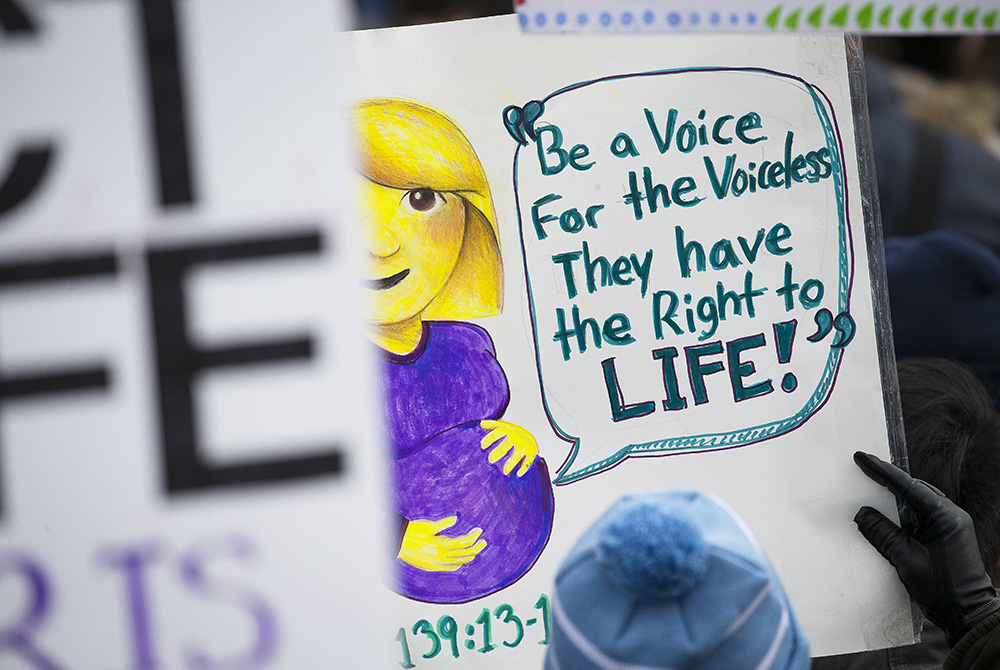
(561,18)
(714,18)
(605,19)
(673,18)
(582,18)
(540,19)
(734,19)
(627,19)
(649,17)
(695,18)
(524,20)
(751,18)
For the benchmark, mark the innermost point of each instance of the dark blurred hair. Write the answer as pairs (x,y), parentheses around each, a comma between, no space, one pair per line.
(953,439)
(422,11)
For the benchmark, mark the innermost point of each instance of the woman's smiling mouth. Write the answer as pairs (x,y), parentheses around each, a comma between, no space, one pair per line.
(387,282)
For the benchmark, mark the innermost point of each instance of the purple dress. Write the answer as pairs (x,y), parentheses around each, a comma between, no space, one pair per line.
(435,398)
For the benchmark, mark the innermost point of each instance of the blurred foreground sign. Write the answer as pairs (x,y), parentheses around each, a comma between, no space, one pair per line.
(187,472)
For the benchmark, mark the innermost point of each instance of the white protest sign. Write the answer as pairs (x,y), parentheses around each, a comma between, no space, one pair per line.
(686,304)
(188,471)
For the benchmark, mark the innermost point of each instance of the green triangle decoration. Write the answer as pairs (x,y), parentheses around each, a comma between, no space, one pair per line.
(815,18)
(839,17)
(772,17)
(928,16)
(864,17)
(948,18)
(906,17)
(869,16)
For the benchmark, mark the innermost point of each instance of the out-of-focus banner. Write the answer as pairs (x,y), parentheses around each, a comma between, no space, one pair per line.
(188,477)
(903,18)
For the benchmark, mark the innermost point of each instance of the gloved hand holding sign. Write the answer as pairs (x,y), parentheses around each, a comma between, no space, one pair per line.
(938,561)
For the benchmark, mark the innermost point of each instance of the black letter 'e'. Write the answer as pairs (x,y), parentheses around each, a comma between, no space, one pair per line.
(179,362)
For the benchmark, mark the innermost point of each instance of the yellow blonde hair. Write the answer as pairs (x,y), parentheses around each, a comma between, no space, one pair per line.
(407,145)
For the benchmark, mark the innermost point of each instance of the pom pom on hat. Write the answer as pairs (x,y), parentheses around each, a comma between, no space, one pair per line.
(671,579)
(653,551)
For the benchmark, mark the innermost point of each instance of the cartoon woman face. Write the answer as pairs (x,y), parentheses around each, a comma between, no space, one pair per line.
(433,262)
(414,238)
(429,221)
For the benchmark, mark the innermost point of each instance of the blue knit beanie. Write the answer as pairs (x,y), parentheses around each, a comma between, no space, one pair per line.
(667,580)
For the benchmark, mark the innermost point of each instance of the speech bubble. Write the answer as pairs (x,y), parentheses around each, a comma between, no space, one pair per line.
(688,259)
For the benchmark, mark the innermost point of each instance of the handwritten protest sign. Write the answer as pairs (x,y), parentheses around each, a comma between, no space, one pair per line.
(687,345)
(668,288)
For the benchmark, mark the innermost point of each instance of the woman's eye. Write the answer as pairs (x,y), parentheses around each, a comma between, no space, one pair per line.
(422,199)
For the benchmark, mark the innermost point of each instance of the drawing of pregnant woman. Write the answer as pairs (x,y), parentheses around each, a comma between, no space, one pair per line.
(473,499)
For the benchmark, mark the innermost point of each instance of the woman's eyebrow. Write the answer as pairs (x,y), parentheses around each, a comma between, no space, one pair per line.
(367,177)
(413,185)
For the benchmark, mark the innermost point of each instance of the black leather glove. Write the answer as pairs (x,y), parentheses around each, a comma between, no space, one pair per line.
(938,560)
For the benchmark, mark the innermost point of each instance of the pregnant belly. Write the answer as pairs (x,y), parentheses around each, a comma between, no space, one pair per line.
(451,476)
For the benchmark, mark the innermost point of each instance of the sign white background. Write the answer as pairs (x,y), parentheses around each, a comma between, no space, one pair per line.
(798,492)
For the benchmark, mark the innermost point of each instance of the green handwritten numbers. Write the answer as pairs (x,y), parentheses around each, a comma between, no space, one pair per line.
(487,624)
(503,622)
(508,616)
(407,661)
(543,604)
(447,628)
(424,626)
